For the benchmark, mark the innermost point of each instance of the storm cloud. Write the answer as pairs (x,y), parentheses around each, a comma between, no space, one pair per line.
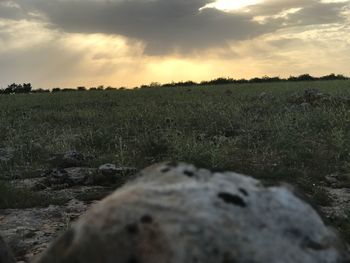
(10,10)
(176,26)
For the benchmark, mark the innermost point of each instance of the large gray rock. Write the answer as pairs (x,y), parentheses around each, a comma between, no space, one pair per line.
(176,213)
(108,169)
(5,253)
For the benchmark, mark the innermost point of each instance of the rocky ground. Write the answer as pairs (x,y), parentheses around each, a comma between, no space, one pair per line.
(339,209)
(29,231)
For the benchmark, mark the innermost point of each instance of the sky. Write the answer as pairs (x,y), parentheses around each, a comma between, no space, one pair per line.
(69,43)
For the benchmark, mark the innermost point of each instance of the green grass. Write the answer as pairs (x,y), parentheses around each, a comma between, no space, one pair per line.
(228,127)
(222,127)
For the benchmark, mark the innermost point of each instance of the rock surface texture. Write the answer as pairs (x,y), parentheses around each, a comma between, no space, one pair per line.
(29,231)
(176,213)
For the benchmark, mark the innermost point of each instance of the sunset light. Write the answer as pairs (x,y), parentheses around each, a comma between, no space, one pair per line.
(131,42)
(232,4)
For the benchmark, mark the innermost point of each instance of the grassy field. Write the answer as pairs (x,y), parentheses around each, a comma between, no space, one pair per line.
(273,131)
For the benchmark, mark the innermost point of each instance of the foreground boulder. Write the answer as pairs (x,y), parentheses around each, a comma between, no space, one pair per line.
(176,213)
(5,253)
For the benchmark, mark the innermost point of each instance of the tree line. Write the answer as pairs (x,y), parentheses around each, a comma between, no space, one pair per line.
(27,87)
(265,79)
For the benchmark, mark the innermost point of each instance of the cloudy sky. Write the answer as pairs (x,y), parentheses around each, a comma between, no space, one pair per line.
(67,43)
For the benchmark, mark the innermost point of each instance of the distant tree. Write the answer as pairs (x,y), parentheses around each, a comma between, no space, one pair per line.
(269,79)
(305,77)
(40,91)
(172,84)
(333,77)
(341,77)
(221,81)
(180,84)
(292,78)
(188,83)
(154,85)
(26,87)
(56,90)
(10,89)
(68,90)
(241,81)
(275,79)
(256,80)
(110,88)
(81,88)
(18,88)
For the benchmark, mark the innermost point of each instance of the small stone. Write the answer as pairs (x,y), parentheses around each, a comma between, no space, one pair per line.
(108,169)
(73,159)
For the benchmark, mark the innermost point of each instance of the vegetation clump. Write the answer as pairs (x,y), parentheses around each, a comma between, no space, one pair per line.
(17,88)
(12,197)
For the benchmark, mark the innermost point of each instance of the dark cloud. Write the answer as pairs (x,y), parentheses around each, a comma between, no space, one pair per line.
(10,10)
(164,26)
(317,13)
(167,26)
(308,12)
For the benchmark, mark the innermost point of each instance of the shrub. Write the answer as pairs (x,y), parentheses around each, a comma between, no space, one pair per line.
(18,88)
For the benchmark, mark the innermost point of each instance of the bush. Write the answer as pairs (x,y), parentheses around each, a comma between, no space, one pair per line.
(18,88)
(56,90)
(81,88)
